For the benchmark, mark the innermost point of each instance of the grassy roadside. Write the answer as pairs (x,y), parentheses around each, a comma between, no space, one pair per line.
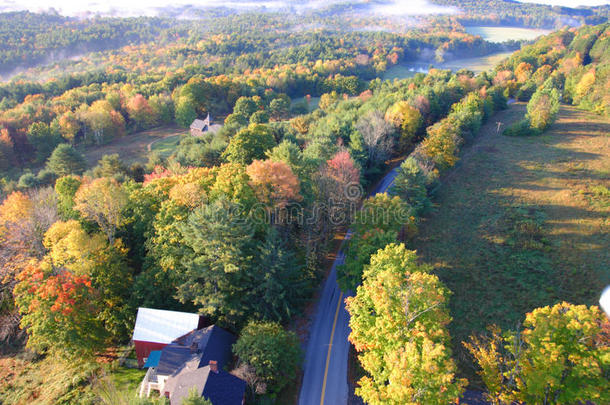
(522,223)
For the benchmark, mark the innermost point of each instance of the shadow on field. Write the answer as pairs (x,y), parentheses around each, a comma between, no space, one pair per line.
(513,230)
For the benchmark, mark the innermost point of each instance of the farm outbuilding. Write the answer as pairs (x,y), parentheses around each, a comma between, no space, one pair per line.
(156,328)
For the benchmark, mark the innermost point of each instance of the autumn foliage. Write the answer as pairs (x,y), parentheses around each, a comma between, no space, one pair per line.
(273,182)
(57,310)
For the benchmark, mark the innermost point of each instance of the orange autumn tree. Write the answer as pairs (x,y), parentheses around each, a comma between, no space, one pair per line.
(57,311)
(274,183)
(340,186)
(71,248)
(343,173)
(140,112)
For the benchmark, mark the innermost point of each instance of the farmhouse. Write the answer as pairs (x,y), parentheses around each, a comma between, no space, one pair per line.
(193,360)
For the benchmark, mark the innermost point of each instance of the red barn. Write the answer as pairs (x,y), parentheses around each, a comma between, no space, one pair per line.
(156,328)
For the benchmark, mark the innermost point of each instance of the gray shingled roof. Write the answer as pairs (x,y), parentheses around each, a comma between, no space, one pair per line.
(198,124)
(221,388)
(212,343)
(186,360)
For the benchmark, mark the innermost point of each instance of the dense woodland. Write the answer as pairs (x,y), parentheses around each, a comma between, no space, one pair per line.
(509,12)
(82,247)
(29,39)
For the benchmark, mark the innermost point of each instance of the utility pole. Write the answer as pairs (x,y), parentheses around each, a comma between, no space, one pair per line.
(499,125)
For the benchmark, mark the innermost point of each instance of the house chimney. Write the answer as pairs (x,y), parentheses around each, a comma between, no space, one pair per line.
(214,366)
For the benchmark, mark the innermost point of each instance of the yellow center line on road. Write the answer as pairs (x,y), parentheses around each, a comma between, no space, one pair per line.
(330,346)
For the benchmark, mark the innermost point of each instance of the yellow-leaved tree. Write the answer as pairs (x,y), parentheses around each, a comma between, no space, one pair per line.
(560,356)
(103,201)
(407,118)
(399,324)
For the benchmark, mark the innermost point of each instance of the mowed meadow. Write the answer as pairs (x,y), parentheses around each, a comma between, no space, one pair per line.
(522,222)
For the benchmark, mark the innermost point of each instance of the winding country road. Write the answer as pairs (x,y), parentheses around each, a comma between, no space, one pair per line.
(325,378)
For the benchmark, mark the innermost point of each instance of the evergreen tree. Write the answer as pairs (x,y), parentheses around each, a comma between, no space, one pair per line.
(279,288)
(66,160)
(410,185)
(216,270)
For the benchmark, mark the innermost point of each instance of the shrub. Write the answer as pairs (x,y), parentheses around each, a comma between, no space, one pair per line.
(543,107)
(28,180)
(272,351)
(521,128)
(45,176)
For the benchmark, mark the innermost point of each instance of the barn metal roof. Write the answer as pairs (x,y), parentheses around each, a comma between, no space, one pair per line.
(161,326)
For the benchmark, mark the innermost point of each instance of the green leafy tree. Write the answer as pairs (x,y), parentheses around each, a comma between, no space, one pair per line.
(195,399)
(361,247)
(162,107)
(259,117)
(382,211)
(234,122)
(44,140)
(27,180)
(66,188)
(543,107)
(410,185)
(399,324)
(245,106)
(249,144)
(185,111)
(279,107)
(110,166)
(273,352)
(66,160)
(376,224)
(560,356)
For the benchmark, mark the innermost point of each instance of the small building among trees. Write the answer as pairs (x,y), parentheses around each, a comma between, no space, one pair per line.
(201,127)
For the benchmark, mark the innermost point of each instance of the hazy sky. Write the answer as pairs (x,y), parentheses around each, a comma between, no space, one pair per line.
(569,3)
(152,7)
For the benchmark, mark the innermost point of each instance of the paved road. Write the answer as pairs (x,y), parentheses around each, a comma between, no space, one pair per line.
(325,378)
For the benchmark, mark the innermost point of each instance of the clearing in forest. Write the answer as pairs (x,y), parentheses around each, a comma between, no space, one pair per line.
(134,147)
(522,223)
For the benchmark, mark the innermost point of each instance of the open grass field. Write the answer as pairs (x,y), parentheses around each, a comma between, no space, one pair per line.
(166,146)
(476,64)
(134,147)
(313,103)
(522,223)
